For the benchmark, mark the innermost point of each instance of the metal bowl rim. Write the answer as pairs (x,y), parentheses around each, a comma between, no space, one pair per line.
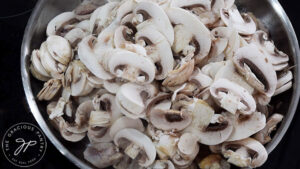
(78,162)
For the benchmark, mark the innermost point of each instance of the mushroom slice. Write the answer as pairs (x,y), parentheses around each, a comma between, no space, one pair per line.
(68,135)
(57,25)
(131,99)
(213,161)
(59,48)
(180,74)
(194,41)
(101,17)
(149,12)
(162,164)
(37,68)
(232,97)
(86,8)
(126,122)
(76,79)
(188,149)
(244,24)
(246,125)
(112,85)
(170,119)
(102,155)
(125,9)
(200,79)
(74,36)
(229,72)
(166,144)
(256,68)
(130,66)
(88,57)
(284,82)
(50,89)
(136,145)
(211,69)
(107,102)
(158,49)
(263,136)
(205,4)
(245,153)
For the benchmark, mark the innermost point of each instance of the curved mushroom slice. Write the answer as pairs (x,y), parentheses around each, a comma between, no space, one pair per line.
(74,36)
(125,9)
(170,119)
(107,102)
(245,153)
(211,69)
(102,17)
(59,48)
(57,25)
(191,41)
(162,101)
(136,145)
(124,123)
(284,82)
(131,99)
(99,134)
(277,58)
(50,89)
(130,66)
(213,161)
(162,164)
(263,136)
(205,4)
(113,85)
(246,125)
(88,57)
(105,39)
(256,69)
(244,24)
(229,72)
(188,149)
(165,144)
(76,78)
(158,49)
(180,74)
(150,13)
(36,67)
(86,8)
(102,155)
(232,97)
(68,135)
(200,79)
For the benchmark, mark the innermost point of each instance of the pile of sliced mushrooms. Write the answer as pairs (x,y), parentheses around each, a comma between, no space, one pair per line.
(153,84)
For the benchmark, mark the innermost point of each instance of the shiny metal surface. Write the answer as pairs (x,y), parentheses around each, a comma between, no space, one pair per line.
(269,12)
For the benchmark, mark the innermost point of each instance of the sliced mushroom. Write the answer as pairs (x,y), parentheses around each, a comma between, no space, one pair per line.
(74,36)
(101,17)
(126,122)
(245,153)
(59,48)
(166,145)
(200,79)
(158,49)
(284,82)
(191,41)
(205,4)
(212,69)
(162,164)
(130,66)
(188,149)
(213,161)
(113,85)
(57,25)
(243,23)
(136,145)
(36,67)
(102,154)
(50,89)
(256,69)
(88,57)
(148,12)
(131,99)
(246,125)
(180,74)
(232,97)
(263,136)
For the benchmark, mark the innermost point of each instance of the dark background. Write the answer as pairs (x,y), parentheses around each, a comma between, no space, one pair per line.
(14,15)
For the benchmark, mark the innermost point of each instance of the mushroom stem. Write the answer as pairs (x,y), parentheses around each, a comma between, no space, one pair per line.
(99,119)
(132,150)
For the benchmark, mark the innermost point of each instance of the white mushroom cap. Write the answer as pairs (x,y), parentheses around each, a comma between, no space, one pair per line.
(148,12)
(244,24)
(126,122)
(232,96)
(56,25)
(131,99)
(199,32)
(88,57)
(130,66)
(245,153)
(158,49)
(246,125)
(256,68)
(138,139)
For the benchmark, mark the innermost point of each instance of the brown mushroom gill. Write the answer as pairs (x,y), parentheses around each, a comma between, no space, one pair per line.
(129,36)
(195,44)
(61,30)
(257,72)
(145,14)
(105,105)
(171,117)
(212,127)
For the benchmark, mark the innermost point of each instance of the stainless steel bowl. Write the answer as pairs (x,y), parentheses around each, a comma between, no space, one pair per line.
(269,12)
